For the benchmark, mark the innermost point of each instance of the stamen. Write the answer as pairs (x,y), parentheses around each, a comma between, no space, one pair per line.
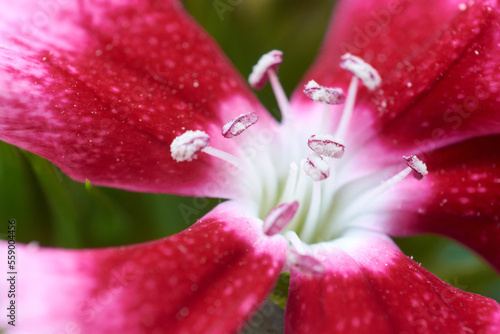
(390,183)
(325,119)
(305,263)
(280,95)
(186,146)
(316,167)
(239,124)
(326,145)
(419,168)
(279,217)
(269,61)
(301,258)
(313,213)
(323,94)
(364,201)
(291,183)
(265,70)
(295,241)
(259,158)
(362,70)
(229,158)
(303,182)
(348,108)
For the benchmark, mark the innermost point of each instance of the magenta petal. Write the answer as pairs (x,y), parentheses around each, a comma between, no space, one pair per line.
(439,67)
(207,279)
(102,89)
(459,198)
(371,287)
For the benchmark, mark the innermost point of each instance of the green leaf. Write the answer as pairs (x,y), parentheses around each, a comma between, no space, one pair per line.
(279,295)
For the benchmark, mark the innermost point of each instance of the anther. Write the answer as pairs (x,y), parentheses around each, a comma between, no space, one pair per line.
(326,145)
(419,168)
(239,124)
(316,167)
(323,94)
(300,257)
(186,146)
(265,70)
(269,61)
(279,217)
(305,263)
(361,70)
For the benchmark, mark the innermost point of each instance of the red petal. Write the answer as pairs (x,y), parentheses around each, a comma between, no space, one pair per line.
(207,279)
(439,67)
(459,198)
(102,89)
(463,102)
(371,287)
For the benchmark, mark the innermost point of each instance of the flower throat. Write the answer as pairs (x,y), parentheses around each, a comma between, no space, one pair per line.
(298,201)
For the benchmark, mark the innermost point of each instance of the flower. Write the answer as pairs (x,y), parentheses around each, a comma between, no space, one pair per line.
(136,96)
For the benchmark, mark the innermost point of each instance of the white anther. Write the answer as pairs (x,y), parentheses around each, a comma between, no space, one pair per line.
(419,168)
(259,77)
(239,124)
(186,146)
(361,70)
(323,94)
(326,145)
(316,167)
(279,217)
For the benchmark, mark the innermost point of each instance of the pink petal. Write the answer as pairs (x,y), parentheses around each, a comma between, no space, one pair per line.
(439,66)
(207,279)
(101,89)
(371,287)
(459,198)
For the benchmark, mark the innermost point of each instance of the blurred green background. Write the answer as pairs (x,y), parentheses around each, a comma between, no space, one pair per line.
(55,211)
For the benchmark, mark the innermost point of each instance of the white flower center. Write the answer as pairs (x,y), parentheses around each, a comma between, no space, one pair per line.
(301,192)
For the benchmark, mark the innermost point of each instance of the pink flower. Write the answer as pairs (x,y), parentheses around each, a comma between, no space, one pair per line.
(112,91)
